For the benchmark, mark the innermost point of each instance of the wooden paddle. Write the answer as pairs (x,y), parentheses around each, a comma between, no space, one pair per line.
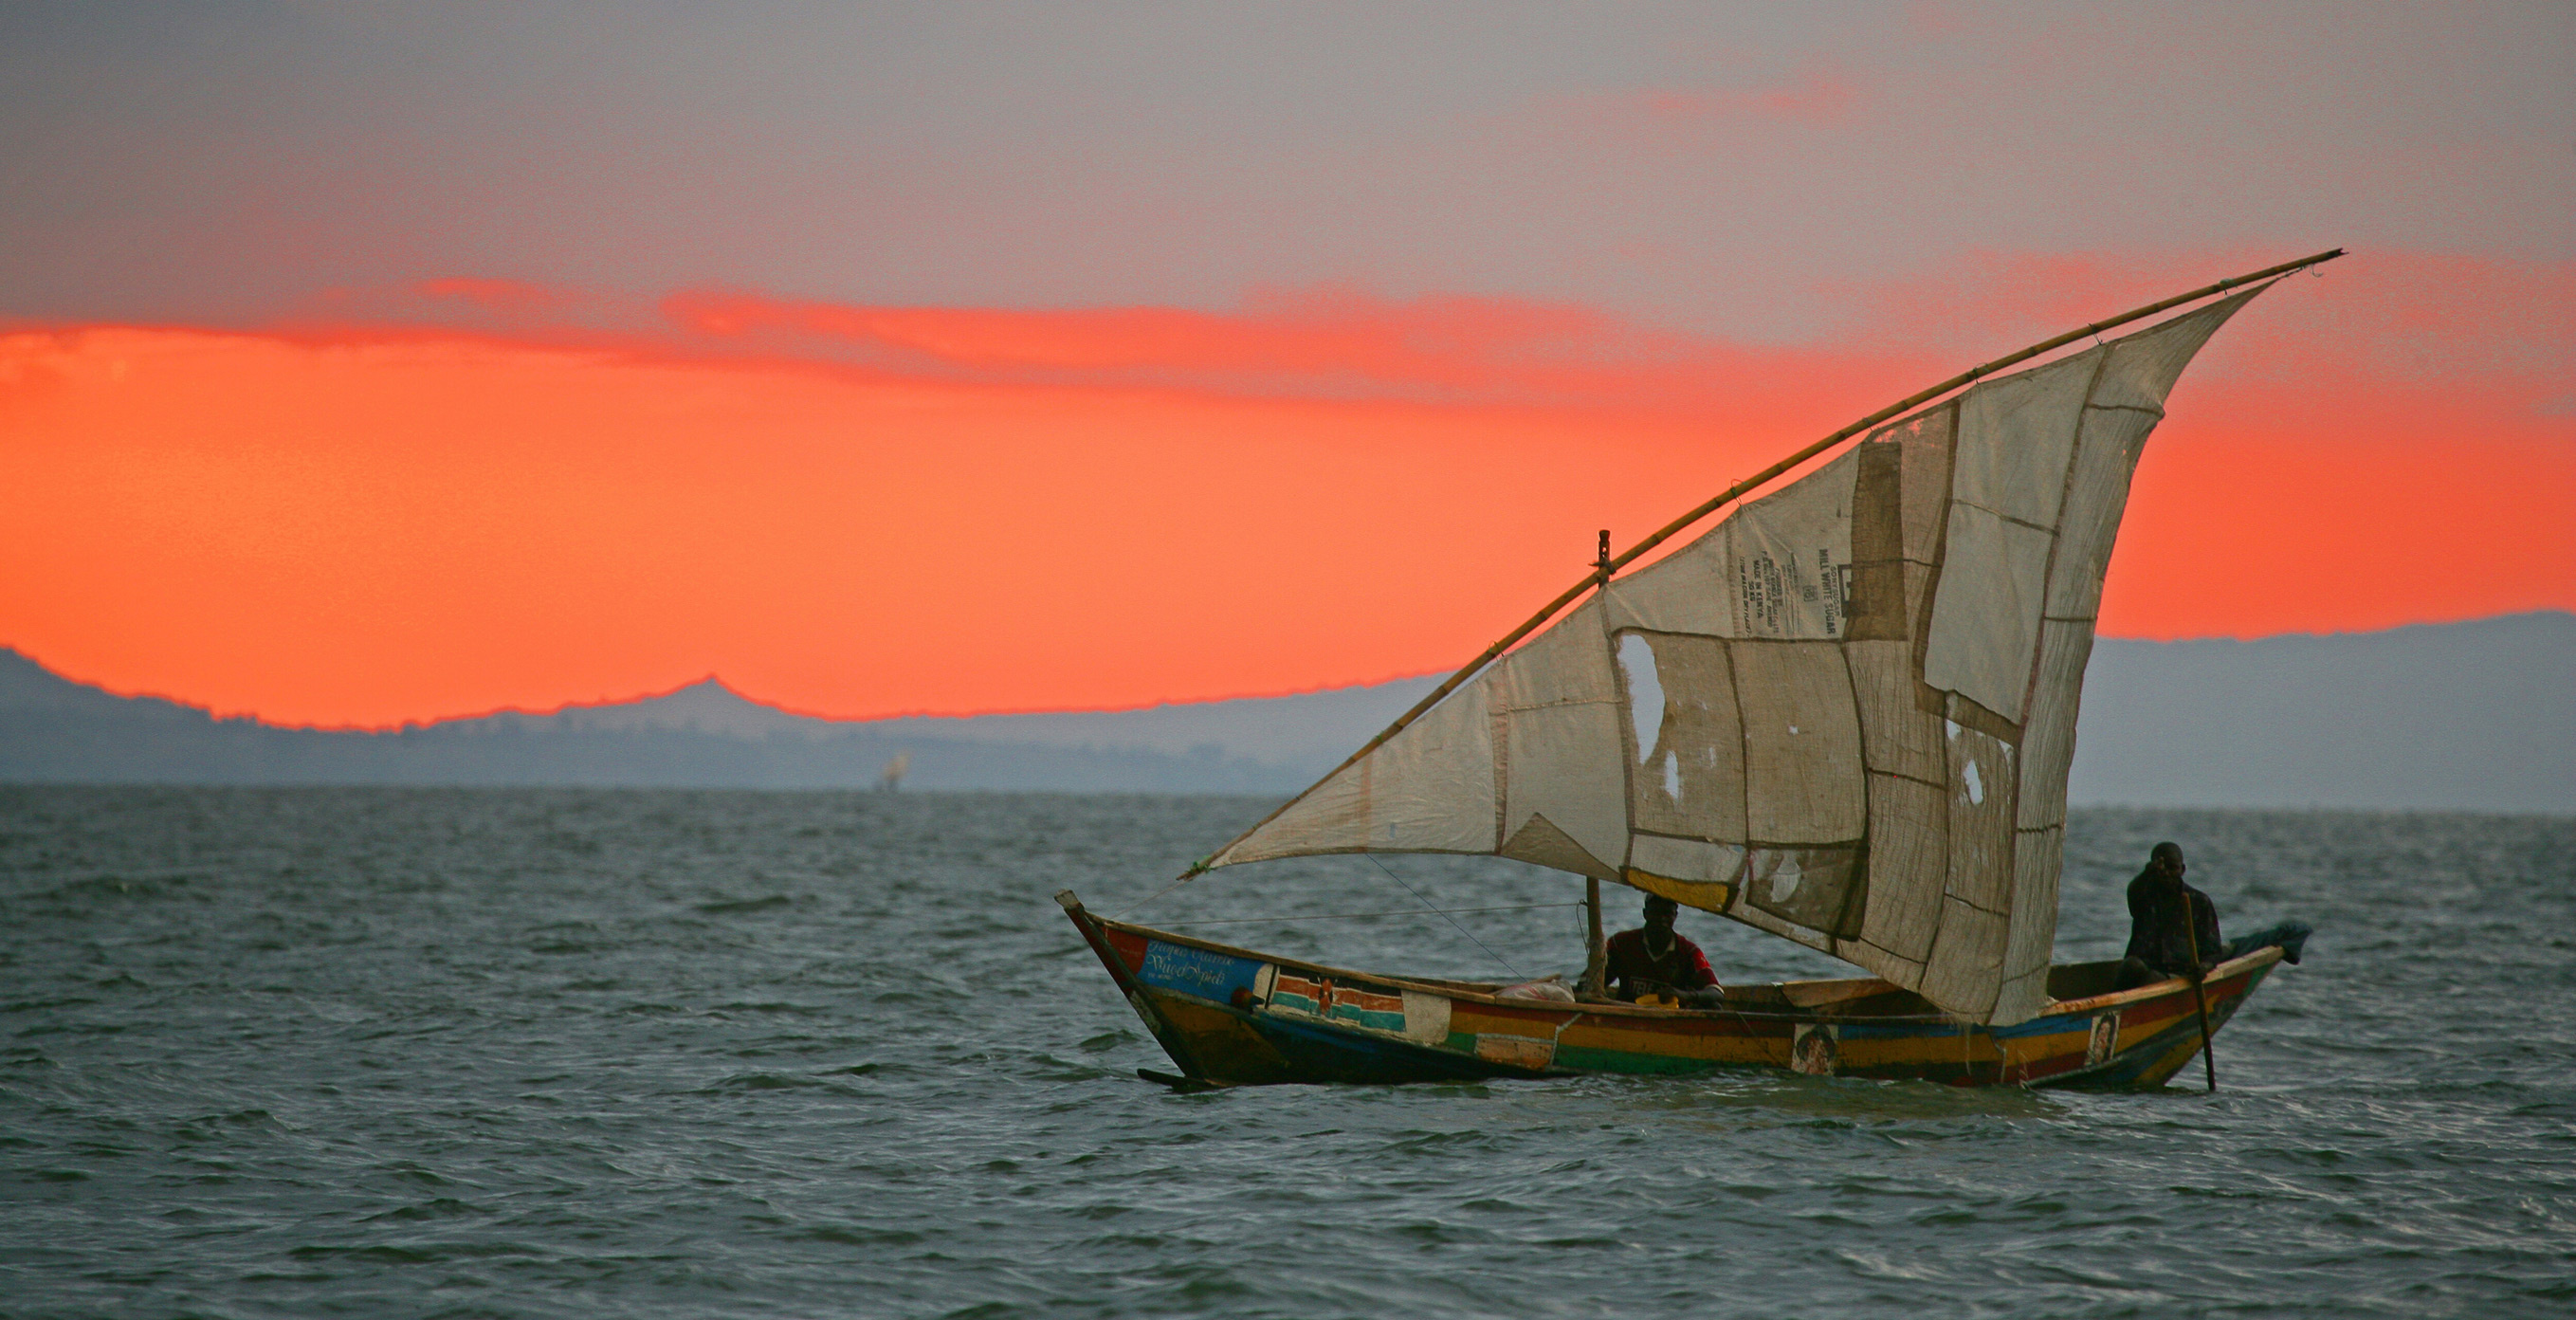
(2199,992)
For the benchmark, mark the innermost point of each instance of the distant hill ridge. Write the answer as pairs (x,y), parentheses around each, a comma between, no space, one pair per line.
(2464,716)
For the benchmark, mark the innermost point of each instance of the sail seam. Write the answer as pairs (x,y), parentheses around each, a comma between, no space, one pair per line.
(1568,701)
(1845,919)
(1744,753)
(1940,545)
(1501,737)
(1774,845)
(1771,641)
(2002,516)
(1688,838)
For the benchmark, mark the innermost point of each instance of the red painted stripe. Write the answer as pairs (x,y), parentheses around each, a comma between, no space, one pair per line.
(1130,948)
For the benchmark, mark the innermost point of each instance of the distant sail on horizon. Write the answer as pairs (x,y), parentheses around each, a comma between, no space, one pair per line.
(1844,715)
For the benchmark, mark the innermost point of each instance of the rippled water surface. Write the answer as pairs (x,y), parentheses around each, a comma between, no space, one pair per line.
(596,1053)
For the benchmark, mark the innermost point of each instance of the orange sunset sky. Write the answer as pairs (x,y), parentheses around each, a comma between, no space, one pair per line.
(359,366)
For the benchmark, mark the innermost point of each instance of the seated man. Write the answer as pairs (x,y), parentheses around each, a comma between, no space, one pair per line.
(2173,928)
(1658,961)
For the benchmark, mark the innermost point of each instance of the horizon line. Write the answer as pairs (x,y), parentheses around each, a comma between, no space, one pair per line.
(603,703)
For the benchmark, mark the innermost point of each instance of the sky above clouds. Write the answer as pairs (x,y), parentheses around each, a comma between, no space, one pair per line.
(368,363)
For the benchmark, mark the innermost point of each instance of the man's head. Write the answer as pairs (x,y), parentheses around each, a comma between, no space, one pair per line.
(2166,860)
(1660,912)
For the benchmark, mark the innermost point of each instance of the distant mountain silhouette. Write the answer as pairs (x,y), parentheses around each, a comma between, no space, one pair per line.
(703,735)
(2477,716)
(2466,716)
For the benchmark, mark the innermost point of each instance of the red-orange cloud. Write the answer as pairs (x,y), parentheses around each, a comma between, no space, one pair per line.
(1818,95)
(1321,344)
(864,511)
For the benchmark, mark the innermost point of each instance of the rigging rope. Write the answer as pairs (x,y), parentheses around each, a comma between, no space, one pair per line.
(1354,916)
(1131,912)
(1426,905)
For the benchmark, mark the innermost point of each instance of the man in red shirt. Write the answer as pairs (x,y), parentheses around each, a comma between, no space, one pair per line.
(1657,960)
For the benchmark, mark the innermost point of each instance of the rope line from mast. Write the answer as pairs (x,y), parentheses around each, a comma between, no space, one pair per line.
(1354,916)
(1453,921)
(1149,898)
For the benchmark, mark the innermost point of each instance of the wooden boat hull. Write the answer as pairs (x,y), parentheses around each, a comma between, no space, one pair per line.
(1231,1016)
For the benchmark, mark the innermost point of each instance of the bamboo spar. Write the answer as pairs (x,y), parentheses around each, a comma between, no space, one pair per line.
(1600,576)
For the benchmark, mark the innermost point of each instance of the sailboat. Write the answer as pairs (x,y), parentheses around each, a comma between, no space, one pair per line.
(1843,716)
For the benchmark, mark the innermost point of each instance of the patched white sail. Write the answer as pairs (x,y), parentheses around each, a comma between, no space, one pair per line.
(1844,715)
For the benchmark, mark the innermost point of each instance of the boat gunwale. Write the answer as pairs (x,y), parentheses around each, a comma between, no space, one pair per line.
(2238,965)
(2242,963)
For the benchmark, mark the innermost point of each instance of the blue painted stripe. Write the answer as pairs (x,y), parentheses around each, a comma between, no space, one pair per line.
(1188,971)
(1374,1018)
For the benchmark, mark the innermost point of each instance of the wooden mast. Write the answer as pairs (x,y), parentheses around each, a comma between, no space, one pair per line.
(1596,959)
(1600,574)
(1596,956)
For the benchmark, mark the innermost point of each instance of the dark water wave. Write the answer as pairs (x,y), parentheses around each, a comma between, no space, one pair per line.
(584,1053)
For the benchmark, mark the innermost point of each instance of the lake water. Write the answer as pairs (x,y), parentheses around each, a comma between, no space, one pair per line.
(513,1053)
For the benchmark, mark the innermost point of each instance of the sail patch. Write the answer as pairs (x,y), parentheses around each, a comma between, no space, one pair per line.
(1687,871)
(1560,746)
(2144,366)
(1688,591)
(1822,889)
(2015,434)
(1983,800)
(1985,613)
(1694,784)
(1898,736)
(2038,856)
(2097,493)
(1802,766)
(1961,974)
(1539,842)
(1878,595)
(1563,767)
(1790,556)
(2048,737)
(1926,442)
(1429,789)
(1910,862)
